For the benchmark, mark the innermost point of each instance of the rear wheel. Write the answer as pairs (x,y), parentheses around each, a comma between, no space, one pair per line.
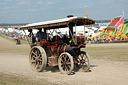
(84,61)
(65,63)
(38,58)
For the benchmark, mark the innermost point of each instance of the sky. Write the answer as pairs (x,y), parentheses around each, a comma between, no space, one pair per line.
(30,11)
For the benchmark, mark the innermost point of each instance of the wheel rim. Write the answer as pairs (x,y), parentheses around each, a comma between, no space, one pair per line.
(84,61)
(66,64)
(37,59)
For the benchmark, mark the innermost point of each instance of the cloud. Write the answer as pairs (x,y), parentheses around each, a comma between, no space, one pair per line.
(50,3)
(4,12)
(63,8)
(106,2)
(9,7)
(82,7)
(39,2)
(3,3)
(42,9)
(31,10)
(47,3)
(22,2)
(8,0)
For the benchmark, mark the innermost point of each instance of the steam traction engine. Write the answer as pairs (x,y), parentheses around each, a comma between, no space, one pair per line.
(64,51)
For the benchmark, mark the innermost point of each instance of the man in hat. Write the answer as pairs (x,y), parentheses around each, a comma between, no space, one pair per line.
(41,35)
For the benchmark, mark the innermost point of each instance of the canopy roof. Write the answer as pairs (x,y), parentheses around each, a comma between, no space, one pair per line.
(60,23)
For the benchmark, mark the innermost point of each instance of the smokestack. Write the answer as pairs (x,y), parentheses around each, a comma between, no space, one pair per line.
(69,16)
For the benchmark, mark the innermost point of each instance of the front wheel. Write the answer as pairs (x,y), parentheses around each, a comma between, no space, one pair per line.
(38,58)
(84,61)
(65,63)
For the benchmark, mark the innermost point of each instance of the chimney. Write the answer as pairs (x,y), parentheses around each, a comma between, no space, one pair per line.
(69,16)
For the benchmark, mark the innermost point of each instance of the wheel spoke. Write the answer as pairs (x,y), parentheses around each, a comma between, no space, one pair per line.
(63,67)
(85,57)
(38,53)
(33,57)
(40,59)
(37,66)
(34,53)
(33,61)
(86,64)
(83,66)
(34,64)
(65,58)
(81,55)
(66,68)
(62,60)
(67,63)
(68,60)
(69,66)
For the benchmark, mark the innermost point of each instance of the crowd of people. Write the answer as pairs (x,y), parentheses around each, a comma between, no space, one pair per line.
(13,34)
(103,39)
(16,35)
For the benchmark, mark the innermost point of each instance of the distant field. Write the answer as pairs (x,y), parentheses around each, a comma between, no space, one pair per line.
(8,46)
(11,39)
(113,51)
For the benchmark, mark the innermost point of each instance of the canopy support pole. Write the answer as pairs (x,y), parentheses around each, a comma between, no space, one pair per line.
(60,33)
(88,32)
(47,34)
(75,34)
(84,33)
(27,38)
(71,34)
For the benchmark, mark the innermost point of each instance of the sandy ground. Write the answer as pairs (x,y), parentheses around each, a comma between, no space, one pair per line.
(15,62)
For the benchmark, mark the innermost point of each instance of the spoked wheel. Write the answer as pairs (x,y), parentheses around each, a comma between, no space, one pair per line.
(84,61)
(38,58)
(66,64)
